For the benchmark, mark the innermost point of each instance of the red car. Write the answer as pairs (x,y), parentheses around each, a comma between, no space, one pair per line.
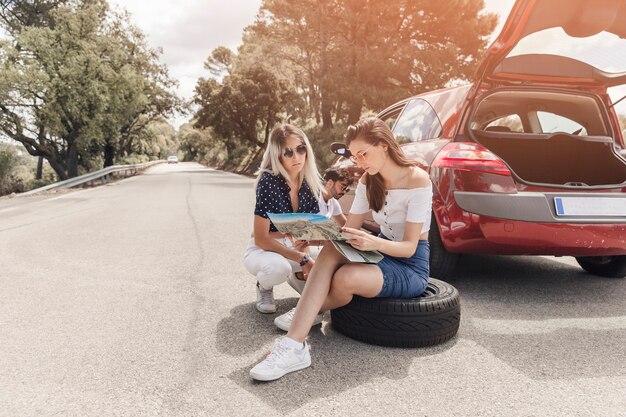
(529,159)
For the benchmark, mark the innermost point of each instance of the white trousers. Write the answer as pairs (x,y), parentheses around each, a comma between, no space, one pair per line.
(271,268)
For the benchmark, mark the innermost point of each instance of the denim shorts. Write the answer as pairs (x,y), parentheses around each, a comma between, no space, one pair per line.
(406,277)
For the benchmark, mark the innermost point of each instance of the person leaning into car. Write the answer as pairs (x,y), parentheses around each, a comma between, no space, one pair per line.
(288,182)
(399,195)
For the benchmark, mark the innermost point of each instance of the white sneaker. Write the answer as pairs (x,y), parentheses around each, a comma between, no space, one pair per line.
(265,299)
(280,361)
(295,282)
(283,321)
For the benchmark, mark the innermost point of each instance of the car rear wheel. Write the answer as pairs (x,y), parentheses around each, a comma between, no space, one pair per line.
(604,266)
(426,320)
(442,262)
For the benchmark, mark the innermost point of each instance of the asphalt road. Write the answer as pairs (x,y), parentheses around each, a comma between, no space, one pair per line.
(131,299)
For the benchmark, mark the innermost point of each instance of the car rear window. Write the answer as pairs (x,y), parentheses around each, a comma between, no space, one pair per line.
(539,111)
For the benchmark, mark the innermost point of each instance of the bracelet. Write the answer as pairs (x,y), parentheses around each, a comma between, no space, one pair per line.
(304,260)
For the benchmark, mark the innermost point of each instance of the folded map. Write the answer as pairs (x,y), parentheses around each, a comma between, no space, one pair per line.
(312,226)
(306,226)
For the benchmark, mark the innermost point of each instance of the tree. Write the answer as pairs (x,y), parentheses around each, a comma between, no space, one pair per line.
(151,98)
(247,102)
(295,34)
(16,15)
(83,82)
(220,62)
(370,53)
(195,143)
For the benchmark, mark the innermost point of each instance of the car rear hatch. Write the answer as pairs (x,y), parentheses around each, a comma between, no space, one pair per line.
(550,66)
(552,42)
(555,60)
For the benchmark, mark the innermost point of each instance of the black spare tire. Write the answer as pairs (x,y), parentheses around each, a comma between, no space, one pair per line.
(427,320)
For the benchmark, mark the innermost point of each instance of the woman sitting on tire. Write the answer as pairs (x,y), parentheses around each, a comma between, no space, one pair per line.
(399,194)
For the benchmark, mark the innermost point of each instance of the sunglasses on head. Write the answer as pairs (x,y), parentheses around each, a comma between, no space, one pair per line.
(300,150)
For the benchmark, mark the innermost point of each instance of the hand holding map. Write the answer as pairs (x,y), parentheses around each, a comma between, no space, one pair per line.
(311,226)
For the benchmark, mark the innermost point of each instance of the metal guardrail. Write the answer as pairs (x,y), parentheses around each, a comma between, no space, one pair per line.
(102,175)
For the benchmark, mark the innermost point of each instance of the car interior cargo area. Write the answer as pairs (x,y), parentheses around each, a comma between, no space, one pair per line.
(557,158)
(550,136)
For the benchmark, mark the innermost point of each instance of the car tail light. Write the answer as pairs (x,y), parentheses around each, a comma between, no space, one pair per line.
(470,156)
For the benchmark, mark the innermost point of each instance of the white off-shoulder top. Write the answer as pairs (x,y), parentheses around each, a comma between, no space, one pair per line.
(401,205)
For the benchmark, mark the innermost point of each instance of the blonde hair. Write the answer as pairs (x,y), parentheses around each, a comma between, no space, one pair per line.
(271,158)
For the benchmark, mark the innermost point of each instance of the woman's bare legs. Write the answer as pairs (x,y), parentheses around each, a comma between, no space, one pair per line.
(315,292)
(352,279)
(331,284)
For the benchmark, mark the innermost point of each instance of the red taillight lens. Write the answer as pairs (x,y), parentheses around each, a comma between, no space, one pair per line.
(470,156)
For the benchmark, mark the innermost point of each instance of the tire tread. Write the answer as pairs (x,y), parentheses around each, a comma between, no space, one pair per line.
(418,322)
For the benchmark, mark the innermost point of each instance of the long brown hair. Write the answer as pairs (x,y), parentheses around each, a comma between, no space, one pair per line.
(374,131)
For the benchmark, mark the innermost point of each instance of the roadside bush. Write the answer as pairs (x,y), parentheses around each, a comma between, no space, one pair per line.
(214,156)
(133,159)
(92,164)
(236,157)
(48,176)
(8,161)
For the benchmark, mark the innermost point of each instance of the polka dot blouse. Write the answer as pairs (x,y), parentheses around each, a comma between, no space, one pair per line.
(272,196)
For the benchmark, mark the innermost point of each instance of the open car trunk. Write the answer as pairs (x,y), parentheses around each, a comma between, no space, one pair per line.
(557,158)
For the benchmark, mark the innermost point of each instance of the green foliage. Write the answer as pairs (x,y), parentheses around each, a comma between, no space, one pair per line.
(17,171)
(80,86)
(8,160)
(220,62)
(245,105)
(156,140)
(48,176)
(18,14)
(197,144)
(325,61)
(353,53)
(134,159)
(215,156)
(320,141)
(236,157)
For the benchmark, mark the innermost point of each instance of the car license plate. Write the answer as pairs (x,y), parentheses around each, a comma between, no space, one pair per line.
(590,206)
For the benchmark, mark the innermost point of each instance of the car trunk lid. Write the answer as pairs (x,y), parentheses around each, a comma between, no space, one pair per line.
(551,42)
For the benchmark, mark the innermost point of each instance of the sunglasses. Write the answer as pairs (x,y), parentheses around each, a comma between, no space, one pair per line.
(360,156)
(300,150)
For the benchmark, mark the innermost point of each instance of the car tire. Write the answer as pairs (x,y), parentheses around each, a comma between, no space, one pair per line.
(442,262)
(604,266)
(427,320)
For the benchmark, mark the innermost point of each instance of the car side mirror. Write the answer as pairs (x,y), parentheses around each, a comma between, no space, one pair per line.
(340,149)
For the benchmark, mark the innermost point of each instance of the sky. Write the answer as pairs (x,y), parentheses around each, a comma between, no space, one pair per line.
(189,31)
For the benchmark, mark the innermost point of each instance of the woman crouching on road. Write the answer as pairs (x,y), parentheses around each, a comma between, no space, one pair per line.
(399,194)
(287,182)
